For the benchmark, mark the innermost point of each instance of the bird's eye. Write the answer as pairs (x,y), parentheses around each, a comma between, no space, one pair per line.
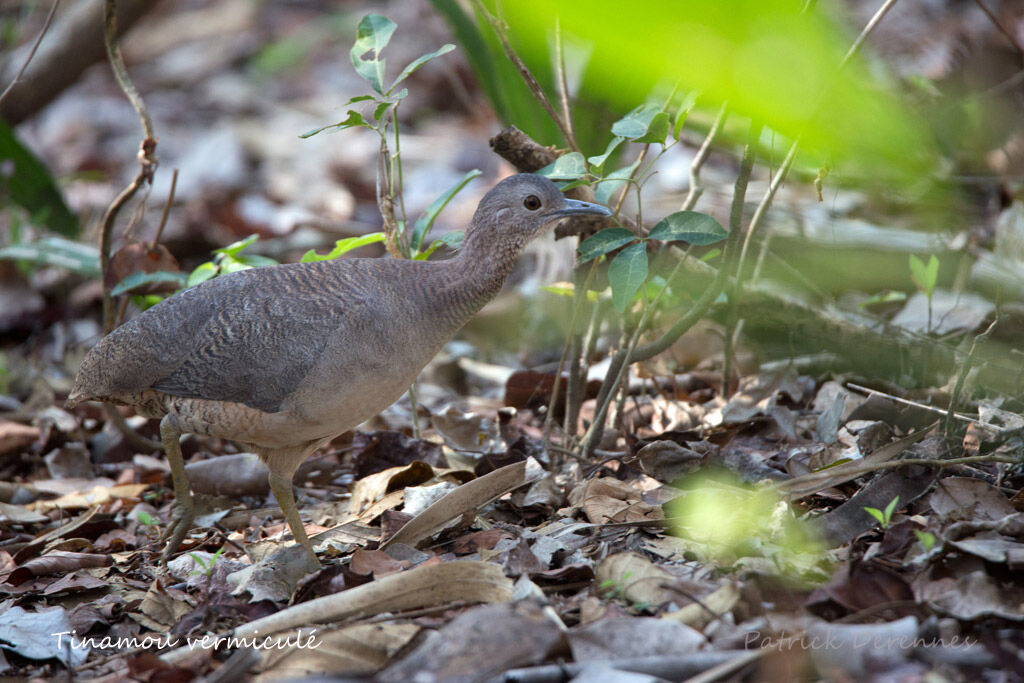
(532,202)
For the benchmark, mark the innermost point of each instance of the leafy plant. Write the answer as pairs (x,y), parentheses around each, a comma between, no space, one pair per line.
(924,276)
(629,268)
(372,36)
(82,259)
(228,259)
(207,566)
(25,182)
(884,517)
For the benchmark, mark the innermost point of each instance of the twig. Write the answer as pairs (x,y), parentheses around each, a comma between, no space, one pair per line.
(954,399)
(501,29)
(696,189)
(868,28)
(120,71)
(1002,29)
(733,326)
(580,287)
(635,352)
(563,86)
(850,469)
(32,52)
(916,404)
(167,209)
(147,157)
(735,230)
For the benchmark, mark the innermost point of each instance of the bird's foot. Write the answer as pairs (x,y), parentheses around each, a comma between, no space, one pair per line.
(182,517)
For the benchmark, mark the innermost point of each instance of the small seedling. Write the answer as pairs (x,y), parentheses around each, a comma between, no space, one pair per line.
(372,36)
(925,278)
(207,566)
(146,519)
(884,517)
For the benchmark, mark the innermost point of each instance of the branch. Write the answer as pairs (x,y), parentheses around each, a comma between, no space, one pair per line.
(696,189)
(32,51)
(147,155)
(501,29)
(75,43)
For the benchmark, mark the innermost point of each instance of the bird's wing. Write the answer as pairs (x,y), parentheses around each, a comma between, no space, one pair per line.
(259,343)
(249,337)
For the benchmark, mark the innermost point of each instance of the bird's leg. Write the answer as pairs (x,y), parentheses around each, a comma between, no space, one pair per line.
(184,507)
(282,488)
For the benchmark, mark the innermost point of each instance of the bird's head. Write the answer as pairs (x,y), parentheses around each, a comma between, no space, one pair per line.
(522,206)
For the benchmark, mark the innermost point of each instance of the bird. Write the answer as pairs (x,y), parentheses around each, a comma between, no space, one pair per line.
(281,359)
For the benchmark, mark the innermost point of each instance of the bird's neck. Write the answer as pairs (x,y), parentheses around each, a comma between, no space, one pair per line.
(476,274)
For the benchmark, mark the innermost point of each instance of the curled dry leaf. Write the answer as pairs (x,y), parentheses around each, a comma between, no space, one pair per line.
(97,495)
(424,586)
(468,497)
(606,500)
(137,257)
(57,562)
(635,578)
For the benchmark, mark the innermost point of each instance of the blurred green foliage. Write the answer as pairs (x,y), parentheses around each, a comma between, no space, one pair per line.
(769,60)
(26,182)
(593,111)
(733,521)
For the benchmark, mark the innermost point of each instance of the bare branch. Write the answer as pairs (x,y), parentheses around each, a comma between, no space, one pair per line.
(31,52)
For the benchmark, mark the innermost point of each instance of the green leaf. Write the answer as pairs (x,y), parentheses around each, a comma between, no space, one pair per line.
(354,119)
(256,260)
(627,272)
(926,539)
(379,110)
(138,279)
(876,513)
(373,33)
(235,247)
(883,297)
(684,111)
(891,508)
(689,226)
(924,276)
(603,242)
(613,182)
(343,246)
(148,301)
(202,273)
(452,240)
(566,167)
(56,251)
(598,161)
(417,63)
(230,264)
(427,218)
(658,286)
(646,123)
(145,518)
(25,180)
(565,186)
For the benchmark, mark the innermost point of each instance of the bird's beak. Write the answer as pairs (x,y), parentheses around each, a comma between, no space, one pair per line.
(574,207)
